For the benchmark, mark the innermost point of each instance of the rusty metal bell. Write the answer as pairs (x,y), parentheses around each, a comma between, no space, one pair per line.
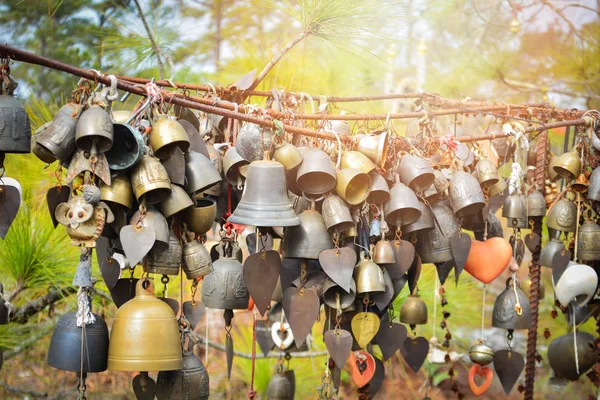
(403,206)
(332,294)
(511,311)
(515,211)
(41,152)
(191,382)
(352,185)
(154,220)
(118,193)
(127,149)
(413,311)
(425,222)
(288,155)
(317,174)
(375,147)
(196,259)
(581,184)
(307,239)
(433,246)
(59,137)
(416,173)
(150,180)
(167,133)
(200,217)
(200,173)
(562,358)
(165,262)
(466,196)
(224,288)
(384,253)
(145,334)
(280,387)
(536,205)
(94,129)
(234,168)
(355,159)
(336,214)
(65,346)
(568,165)
(380,191)
(588,241)
(368,277)
(15,128)
(177,201)
(593,192)
(252,141)
(265,200)
(486,173)
(562,216)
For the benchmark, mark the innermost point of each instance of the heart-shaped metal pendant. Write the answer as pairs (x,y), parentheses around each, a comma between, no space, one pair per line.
(123,291)
(55,196)
(193,312)
(339,345)
(261,273)
(362,367)
(405,253)
(414,273)
(414,351)
(10,201)
(377,379)
(560,262)
(443,270)
(263,336)
(110,269)
(301,307)
(174,163)
(390,337)
(533,241)
(509,365)
(461,245)
(281,335)
(365,326)
(339,264)
(136,242)
(174,304)
(144,387)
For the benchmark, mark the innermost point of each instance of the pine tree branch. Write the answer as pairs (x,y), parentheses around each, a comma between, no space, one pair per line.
(155,46)
(562,15)
(23,313)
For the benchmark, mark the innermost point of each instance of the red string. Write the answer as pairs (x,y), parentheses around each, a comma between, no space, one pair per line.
(252,392)
(228,225)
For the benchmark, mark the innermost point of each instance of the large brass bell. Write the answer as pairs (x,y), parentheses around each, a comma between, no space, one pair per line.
(568,165)
(265,200)
(515,211)
(200,173)
(234,168)
(562,358)
(433,246)
(118,193)
(224,288)
(196,259)
(316,174)
(536,205)
(424,223)
(562,216)
(352,185)
(150,180)
(191,382)
(94,130)
(593,192)
(380,191)
(368,277)
(511,311)
(355,159)
(144,334)
(201,216)
(177,201)
(59,138)
(154,220)
(65,346)
(375,147)
(167,133)
(413,311)
(165,262)
(416,173)
(486,173)
(336,297)
(307,239)
(466,196)
(252,142)
(336,214)
(588,241)
(403,206)
(127,148)
(15,128)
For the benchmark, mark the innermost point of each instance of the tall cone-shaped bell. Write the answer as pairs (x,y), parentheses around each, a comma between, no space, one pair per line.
(375,147)
(402,207)
(145,334)
(15,128)
(94,127)
(59,138)
(265,200)
(466,196)
(307,239)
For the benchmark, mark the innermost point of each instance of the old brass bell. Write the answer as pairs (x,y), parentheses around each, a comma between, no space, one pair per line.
(416,173)
(352,185)
(375,147)
(403,206)
(336,214)
(252,142)
(177,201)
(413,311)
(568,165)
(433,246)
(59,138)
(316,174)
(515,211)
(150,180)
(167,133)
(127,148)
(154,220)
(355,159)
(280,387)
(265,200)
(145,334)
(425,222)
(94,130)
(511,311)
(224,288)
(165,262)
(481,354)
(368,277)
(384,253)
(562,216)
(536,205)
(588,242)
(498,188)
(41,152)
(191,382)
(119,192)
(581,184)
(234,168)
(307,239)
(200,173)
(380,191)
(201,216)
(196,259)
(65,346)
(288,155)
(486,173)
(336,297)
(466,196)
(562,358)
(15,128)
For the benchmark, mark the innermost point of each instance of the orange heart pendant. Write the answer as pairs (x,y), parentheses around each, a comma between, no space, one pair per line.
(367,360)
(487,260)
(482,371)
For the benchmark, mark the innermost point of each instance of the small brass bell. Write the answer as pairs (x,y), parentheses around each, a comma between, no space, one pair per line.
(265,200)
(154,220)
(588,242)
(553,247)
(352,185)
(355,159)
(568,165)
(562,216)
(536,205)
(416,173)
(280,387)
(224,288)
(384,253)
(316,174)
(252,142)
(139,325)
(422,224)
(94,129)
(118,193)
(375,147)
(234,168)
(562,359)
(481,354)
(486,173)
(593,192)
(515,211)
(526,286)
(65,346)
(200,173)
(466,196)
(165,262)
(201,216)
(288,155)
(413,311)
(581,184)
(433,246)
(380,191)
(336,214)
(403,206)
(511,311)
(177,202)
(498,188)
(191,382)
(196,259)
(309,238)
(15,128)
(127,148)
(59,138)
(368,277)
(167,133)
(334,296)
(150,180)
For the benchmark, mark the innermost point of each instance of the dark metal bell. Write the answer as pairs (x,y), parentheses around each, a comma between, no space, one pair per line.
(424,223)
(536,205)
(190,383)
(515,211)
(588,242)
(224,288)
(280,388)
(547,254)
(561,355)
(65,346)
(433,246)
(308,239)
(15,128)
(59,138)
(510,311)
(562,216)
(94,129)
(165,262)
(127,148)
(196,259)
(466,196)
